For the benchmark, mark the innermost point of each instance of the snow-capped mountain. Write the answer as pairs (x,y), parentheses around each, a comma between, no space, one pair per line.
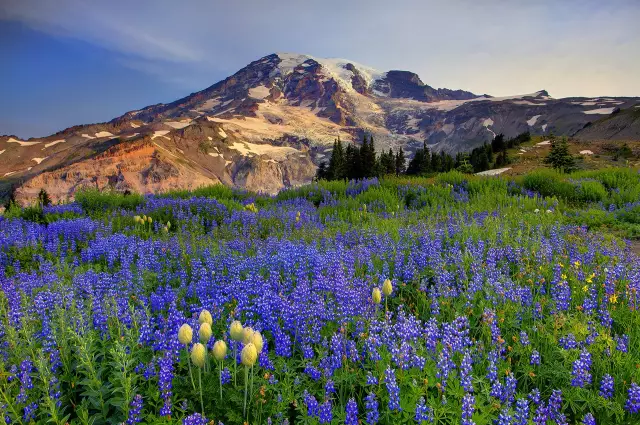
(270,124)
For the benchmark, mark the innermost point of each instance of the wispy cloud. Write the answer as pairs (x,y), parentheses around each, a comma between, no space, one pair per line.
(499,47)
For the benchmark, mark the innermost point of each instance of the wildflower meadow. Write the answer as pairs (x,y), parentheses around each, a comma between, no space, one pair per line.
(451,300)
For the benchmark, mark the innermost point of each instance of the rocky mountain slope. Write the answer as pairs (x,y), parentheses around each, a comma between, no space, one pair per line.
(270,124)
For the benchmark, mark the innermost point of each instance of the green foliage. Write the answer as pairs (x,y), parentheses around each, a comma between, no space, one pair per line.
(98,371)
(93,200)
(559,157)
(549,183)
(43,198)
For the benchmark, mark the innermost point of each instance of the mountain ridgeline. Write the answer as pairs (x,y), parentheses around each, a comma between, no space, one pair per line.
(274,122)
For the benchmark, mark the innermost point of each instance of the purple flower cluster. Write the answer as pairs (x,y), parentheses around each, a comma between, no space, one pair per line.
(581,370)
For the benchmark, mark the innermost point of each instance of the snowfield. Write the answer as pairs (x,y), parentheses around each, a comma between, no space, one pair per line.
(533,120)
(493,172)
(606,111)
(21,142)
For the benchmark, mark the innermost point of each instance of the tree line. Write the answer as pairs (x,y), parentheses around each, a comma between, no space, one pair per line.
(357,162)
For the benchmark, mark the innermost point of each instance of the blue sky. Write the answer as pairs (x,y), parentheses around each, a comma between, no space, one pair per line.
(69,62)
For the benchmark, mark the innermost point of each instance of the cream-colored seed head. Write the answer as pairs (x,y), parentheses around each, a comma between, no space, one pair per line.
(198,355)
(376,295)
(256,339)
(185,334)
(235,330)
(205,317)
(205,332)
(249,355)
(387,288)
(247,334)
(150,220)
(219,350)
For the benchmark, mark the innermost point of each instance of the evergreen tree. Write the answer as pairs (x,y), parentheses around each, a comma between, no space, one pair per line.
(368,158)
(421,162)
(559,156)
(387,162)
(352,162)
(400,162)
(482,163)
(435,163)
(489,153)
(43,198)
(321,172)
(464,166)
(11,201)
(337,164)
(447,161)
(498,144)
(501,159)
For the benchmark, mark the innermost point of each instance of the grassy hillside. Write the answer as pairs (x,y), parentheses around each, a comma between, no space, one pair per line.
(604,154)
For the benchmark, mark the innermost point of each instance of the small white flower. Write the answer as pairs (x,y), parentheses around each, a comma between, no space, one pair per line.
(549,211)
(536,211)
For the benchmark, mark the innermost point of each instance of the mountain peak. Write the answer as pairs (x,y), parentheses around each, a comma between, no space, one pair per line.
(271,123)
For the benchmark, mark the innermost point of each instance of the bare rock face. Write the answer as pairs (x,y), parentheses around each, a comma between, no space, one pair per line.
(138,167)
(269,125)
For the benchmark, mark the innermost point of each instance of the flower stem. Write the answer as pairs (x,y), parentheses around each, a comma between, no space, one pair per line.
(190,371)
(200,383)
(221,380)
(235,364)
(246,379)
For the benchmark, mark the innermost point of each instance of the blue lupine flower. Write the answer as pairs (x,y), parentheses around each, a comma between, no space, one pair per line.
(632,405)
(351,413)
(606,386)
(371,407)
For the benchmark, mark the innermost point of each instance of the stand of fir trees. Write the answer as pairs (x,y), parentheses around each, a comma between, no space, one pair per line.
(353,162)
(358,162)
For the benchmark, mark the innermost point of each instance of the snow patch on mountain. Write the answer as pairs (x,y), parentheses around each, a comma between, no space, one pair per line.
(55,142)
(178,124)
(486,123)
(21,142)
(493,172)
(160,133)
(275,152)
(259,92)
(527,102)
(38,160)
(103,134)
(600,111)
(531,121)
(334,68)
